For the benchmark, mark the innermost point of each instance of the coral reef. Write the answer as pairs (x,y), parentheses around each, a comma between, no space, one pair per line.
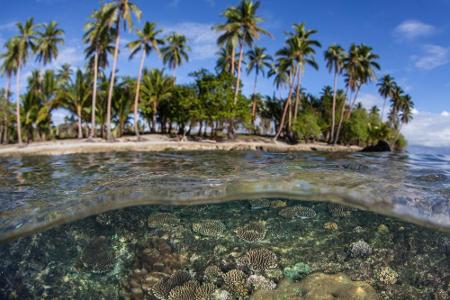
(278,204)
(235,283)
(258,282)
(387,275)
(297,271)
(98,255)
(360,249)
(252,232)
(192,290)
(259,260)
(210,228)
(164,287)
(162,220)
(213,274)
(298,211)
(330,226)
(260,204)
(339,211)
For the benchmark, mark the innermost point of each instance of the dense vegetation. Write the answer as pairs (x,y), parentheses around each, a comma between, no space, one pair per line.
(106,105)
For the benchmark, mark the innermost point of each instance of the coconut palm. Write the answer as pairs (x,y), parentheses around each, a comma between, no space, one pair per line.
(226,61)
(75,97)
(114,13)
(386,86)
(229,39)
(242,23)
(22,46)
(258,61)
(335,58)
(176,51)
(48,42)
(8,67)
(64,74)
(360,66)
(303,52)
(123,102)
(156,87)
(98,37)
(147,41)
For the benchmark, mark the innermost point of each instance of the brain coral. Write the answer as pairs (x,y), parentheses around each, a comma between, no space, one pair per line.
(259,260)
(212,228)
(252,232)
(298,211)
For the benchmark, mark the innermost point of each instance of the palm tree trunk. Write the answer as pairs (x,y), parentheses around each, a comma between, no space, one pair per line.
(286,106)
(233,60)
(80,128)
(136,99)
(353,102)
(336,139)
(5,119)
(238,81)
(153,130)
(19,126)
(94,95)
(254,100)
(333,111)
(299,89)
(111,85)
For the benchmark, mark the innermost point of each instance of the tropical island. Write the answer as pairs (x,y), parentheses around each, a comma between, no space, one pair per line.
(211,109)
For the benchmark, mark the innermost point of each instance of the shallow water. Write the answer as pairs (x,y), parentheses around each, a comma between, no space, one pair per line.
(251,229)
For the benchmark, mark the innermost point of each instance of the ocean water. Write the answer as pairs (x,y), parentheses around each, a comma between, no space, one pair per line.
(226,225)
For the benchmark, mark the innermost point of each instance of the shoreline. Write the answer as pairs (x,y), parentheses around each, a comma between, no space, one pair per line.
(161,143)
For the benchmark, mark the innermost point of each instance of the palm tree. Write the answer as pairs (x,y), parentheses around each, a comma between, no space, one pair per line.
(116,12)
(147,41)
(64,74)
(226,61)
(9,65)
(21,46)
(335,58)
(156,87)
(48,41)
(123,102)
(242,23)
(258,61)
(360,66)
(176,51)
(229,39)
(75,97)
(99,37)
(302,51)
(386,86)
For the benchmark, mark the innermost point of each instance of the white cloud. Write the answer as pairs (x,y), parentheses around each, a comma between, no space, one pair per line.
(201,38)
(445,113)
(413,29)
(415,111)
(429,129)
(433,56)
(8,26)
(369,100)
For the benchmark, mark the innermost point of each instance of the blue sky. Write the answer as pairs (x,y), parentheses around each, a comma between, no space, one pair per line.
(412,38)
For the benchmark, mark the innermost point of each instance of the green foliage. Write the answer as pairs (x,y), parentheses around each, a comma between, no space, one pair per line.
(401,143)
(306,127)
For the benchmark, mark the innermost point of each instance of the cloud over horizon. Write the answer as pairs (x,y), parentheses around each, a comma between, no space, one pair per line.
(429,129)
(432,56)
(414,29)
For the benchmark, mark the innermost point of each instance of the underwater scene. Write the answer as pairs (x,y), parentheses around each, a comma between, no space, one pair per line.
(225,226)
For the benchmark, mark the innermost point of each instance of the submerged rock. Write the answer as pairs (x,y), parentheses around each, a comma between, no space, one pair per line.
(258,282)
(320,286)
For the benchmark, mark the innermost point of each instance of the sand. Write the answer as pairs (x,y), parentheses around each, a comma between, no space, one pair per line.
(158,143)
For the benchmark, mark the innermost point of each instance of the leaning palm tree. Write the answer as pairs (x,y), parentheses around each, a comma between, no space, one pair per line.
(22,46)
(156,87)
(334,57)
(114,13)
(176,51)
(48,42)
(98,37)
(386,86)
(242,22)
(147,41)
(258,61)
(75,97)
